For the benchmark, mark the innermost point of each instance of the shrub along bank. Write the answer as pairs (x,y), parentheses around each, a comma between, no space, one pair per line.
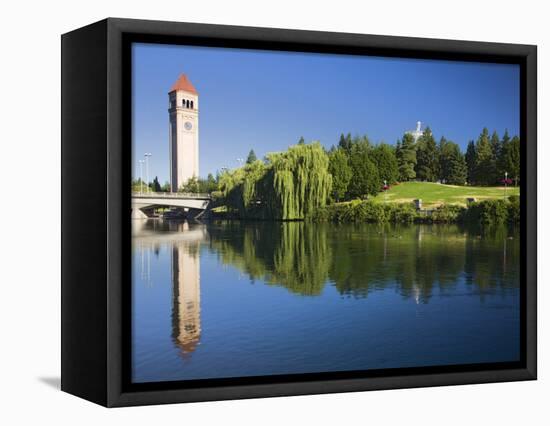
(487,212)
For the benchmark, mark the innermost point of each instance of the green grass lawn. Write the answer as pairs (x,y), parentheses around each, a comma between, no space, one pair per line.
(435,194)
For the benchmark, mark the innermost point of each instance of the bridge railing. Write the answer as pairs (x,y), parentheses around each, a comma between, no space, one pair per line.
(171,195)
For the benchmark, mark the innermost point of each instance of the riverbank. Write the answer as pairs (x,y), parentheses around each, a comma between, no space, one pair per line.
(486,212)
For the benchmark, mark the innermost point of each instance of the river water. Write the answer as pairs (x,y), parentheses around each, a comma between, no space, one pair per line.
(247,299)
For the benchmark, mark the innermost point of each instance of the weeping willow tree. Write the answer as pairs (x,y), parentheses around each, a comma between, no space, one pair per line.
(242,189)
(250,189)
(301,180)
(289,186)
(230,180)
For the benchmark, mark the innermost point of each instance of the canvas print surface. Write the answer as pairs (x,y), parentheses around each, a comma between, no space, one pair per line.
(306,213)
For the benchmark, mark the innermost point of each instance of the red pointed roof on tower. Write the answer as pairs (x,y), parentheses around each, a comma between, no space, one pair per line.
(183,83)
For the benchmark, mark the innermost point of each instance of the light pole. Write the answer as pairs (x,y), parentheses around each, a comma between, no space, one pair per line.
(147,155)
(505,184)
(141,176)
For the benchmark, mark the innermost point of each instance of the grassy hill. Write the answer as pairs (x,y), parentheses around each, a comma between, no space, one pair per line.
(434,194)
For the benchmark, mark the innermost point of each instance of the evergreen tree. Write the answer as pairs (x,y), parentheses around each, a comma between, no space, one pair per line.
(495,144)
(383,157)
(156,185)
(504,164)
(342,141)
(301,141)
(470,158)
(427,160)
(340,170)
(211,183)
(366,180)
(484,170)
(496,148)
(441,158)
(361,140)
(514,159)
(251,157)
(406,158)
(345,142)
(453,168)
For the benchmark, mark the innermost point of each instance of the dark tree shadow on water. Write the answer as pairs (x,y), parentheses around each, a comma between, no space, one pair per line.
(54,382)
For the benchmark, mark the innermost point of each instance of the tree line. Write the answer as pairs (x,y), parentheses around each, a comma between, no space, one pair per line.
(289,184)
(193,185)
(360,168)
(139,185)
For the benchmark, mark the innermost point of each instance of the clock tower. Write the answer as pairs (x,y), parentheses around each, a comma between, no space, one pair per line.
(184,132)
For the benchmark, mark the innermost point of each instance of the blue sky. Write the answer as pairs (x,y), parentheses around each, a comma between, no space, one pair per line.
(267,100)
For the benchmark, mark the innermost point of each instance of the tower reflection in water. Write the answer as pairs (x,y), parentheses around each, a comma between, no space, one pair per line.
(183,241)
(186,286)
(186,296)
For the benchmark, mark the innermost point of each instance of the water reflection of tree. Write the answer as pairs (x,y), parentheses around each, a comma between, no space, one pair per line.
(492,259)
(358,259)
(295,255)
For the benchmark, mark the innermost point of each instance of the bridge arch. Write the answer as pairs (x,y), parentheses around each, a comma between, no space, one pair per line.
(142,202)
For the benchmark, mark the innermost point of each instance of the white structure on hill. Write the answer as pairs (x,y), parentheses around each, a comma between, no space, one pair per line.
(417,132)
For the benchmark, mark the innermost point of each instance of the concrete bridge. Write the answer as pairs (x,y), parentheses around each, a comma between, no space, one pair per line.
(144,202)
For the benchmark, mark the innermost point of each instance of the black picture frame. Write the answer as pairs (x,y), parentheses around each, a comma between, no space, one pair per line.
(96,117)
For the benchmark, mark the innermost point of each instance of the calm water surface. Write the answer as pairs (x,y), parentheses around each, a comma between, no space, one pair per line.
(235,299)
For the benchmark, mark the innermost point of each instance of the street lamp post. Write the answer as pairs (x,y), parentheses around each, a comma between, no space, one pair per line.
(505,184)
(147,155)
(141,176)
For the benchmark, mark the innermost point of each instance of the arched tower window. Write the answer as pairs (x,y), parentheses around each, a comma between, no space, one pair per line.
(191,104)
(187,103)
(183,103)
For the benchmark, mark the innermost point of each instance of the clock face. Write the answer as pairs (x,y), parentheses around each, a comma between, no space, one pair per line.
(188,125)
